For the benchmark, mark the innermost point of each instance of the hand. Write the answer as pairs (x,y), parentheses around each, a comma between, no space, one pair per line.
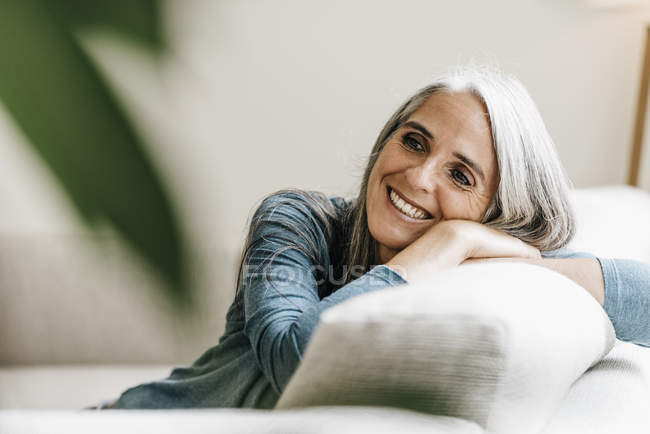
(451,242)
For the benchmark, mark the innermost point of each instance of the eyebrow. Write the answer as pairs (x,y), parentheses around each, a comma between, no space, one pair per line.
(471,163)
(420,128)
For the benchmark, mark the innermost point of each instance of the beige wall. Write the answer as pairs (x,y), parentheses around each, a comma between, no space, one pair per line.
(261,95)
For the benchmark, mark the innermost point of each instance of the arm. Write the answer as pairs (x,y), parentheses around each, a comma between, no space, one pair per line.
(627,298)
(586,272)
(449,243)
(621,286)
(281,302)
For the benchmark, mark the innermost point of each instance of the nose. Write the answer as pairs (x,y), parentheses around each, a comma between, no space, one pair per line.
(422,177)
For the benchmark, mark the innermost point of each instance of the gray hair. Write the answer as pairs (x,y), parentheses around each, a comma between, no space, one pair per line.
(531,201)
(532,198)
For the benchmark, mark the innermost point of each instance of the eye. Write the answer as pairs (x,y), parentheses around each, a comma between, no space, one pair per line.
(412,142)
(460,177)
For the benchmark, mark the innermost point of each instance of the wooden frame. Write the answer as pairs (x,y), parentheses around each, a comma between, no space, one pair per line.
(641,109)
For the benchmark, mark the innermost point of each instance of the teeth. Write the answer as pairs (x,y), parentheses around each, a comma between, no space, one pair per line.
(405,207)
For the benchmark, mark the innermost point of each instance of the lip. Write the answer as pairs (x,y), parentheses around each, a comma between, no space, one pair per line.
(400,213)
(406,199)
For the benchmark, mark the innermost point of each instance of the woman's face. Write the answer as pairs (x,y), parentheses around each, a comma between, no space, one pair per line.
(439,165)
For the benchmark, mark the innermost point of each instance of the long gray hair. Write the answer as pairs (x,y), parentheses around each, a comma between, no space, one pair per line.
(531,201)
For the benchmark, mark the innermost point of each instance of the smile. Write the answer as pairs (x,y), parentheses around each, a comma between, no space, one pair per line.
(406,208)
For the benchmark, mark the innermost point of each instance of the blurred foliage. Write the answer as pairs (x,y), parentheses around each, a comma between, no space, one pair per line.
(65,108)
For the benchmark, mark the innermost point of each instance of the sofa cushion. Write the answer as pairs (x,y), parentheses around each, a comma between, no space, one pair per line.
(70,387)
(498,344)
(334,420)
(613,396)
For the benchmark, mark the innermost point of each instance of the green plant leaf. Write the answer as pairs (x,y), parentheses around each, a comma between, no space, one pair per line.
(139,19)
(64,107)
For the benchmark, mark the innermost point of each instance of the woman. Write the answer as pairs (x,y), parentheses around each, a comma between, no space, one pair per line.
(463,171)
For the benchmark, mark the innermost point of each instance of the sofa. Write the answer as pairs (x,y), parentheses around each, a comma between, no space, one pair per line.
(63,350)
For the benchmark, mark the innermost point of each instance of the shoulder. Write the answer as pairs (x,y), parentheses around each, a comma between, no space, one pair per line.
(301,209)
(301,204)
(300,197)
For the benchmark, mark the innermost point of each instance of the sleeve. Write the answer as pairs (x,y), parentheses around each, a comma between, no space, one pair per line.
(627,295)
(280,284)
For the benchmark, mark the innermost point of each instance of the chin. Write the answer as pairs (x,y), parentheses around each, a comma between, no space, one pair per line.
(392,238)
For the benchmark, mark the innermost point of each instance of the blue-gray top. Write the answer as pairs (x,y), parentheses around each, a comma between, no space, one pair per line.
(269,325)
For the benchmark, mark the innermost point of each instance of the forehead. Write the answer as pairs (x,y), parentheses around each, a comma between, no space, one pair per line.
(459,122)
(460,117)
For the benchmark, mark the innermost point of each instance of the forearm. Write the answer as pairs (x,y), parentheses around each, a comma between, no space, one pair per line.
(627,298)
(279,330)
(621,286)
(449,243)
(440,250)
(586,272)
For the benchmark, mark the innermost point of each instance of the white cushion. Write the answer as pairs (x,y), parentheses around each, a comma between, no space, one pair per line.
(611,397)
(339,420)
(498,344)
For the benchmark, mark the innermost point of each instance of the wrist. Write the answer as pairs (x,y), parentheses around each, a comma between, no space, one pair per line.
(441,248)
(456,238)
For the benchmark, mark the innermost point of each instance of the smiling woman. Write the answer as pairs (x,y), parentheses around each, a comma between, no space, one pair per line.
(463,171)
(433,168)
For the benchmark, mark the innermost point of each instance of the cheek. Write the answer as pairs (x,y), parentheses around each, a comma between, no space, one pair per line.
(373,195)
(381,168)
(390,159)
(460,205)
(373,183)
